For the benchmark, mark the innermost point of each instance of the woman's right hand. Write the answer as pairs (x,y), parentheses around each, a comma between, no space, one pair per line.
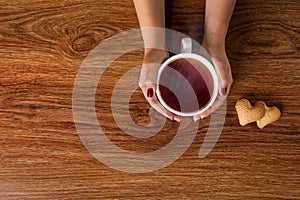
(153,58)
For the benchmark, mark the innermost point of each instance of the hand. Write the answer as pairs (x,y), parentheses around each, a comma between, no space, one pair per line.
(153,59)
(223,69)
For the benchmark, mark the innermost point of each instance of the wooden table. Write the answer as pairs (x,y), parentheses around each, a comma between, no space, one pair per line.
(43,45)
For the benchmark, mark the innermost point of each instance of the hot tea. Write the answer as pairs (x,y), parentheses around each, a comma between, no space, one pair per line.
(186,85)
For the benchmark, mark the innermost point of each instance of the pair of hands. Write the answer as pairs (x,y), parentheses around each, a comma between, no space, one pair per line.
(153,58)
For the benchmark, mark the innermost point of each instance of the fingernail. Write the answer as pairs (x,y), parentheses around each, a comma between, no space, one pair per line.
(202,117)
(195,119)
(150,92)
(177,119)
(170,118)
(224,91)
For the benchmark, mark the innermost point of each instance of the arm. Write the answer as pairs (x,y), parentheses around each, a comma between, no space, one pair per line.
(151,13)
(217,18)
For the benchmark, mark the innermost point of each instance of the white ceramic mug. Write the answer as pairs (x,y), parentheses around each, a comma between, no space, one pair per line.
(173,79)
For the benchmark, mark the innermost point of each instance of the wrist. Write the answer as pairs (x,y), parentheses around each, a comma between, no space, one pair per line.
(214,44)
(152,55)
(214,39)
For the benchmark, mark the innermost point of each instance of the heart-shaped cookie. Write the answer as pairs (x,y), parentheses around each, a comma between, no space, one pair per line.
(271,115)
(247,113)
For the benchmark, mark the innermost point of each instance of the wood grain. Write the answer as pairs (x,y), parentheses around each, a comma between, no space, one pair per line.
(42,46)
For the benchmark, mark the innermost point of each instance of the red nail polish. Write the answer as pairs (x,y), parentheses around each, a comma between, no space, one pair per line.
(224,91)
(150,92)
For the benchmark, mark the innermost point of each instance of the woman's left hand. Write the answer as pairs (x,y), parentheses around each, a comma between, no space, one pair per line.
(223,69)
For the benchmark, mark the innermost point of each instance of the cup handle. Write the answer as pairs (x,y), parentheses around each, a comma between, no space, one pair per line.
(186,45)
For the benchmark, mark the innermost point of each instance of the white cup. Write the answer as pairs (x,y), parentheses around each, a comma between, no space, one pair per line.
(176,79)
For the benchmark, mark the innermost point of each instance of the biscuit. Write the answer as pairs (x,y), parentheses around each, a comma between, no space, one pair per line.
(271,115)
(247,113)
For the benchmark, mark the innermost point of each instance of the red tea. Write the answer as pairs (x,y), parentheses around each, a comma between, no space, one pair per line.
(186,85)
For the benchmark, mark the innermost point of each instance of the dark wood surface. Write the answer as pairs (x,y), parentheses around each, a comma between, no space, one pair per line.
(43,44)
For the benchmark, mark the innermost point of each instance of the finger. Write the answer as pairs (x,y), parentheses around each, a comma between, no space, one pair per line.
(159,108)
(224,75)
(206,113)
(220,100)
(153,101)
(177,118)
(224,83)
(150,95)
(197,117)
